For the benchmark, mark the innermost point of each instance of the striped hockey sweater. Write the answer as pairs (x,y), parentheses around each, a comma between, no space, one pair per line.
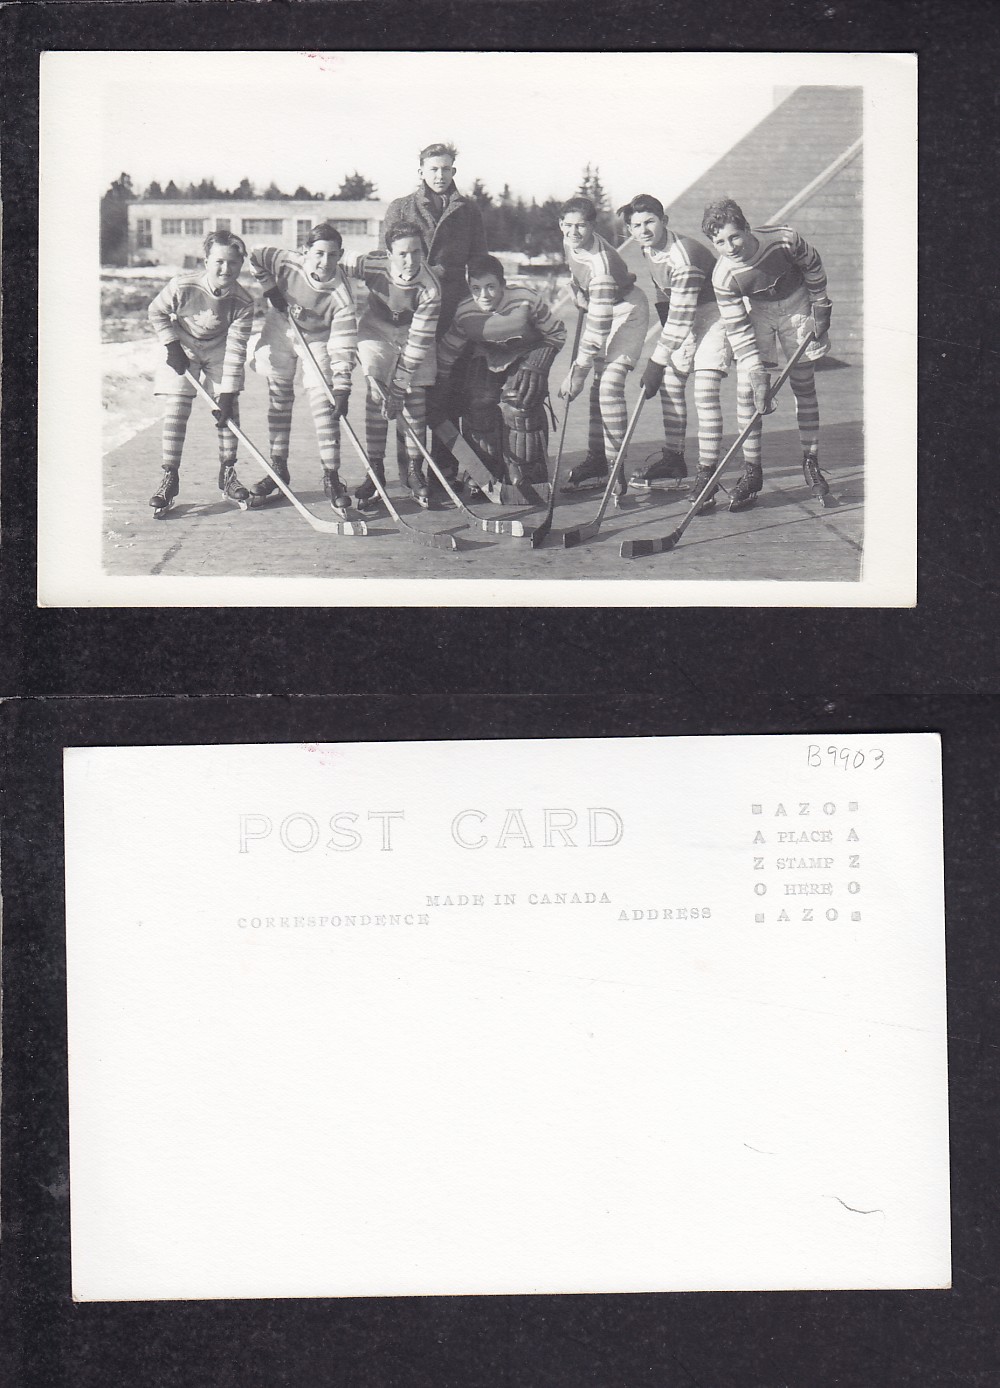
(600,279)
(396,312)
(782,263)
(520,321)
(682,273)
(326,312)
(187,311)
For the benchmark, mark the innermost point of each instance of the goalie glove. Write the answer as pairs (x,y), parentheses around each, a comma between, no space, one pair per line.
(225,401)
(527,387)
(760,383)
(573,384)
(177,358)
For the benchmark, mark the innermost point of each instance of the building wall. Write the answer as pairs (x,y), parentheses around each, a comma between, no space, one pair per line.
(171,233)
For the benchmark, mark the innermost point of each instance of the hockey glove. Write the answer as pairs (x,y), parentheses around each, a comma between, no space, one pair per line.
(177,358)
(392,400)
(821,312)
(338,406)
(652,378)
(226,400)
(573,383)
(760,384)
(276,299)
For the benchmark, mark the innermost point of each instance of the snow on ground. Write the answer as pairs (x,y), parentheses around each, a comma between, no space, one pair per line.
(127,389)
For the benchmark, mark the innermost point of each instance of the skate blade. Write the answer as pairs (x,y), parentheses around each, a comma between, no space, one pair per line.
(827,500)
(660,484)
(160,511)
(747,505)
(591,484)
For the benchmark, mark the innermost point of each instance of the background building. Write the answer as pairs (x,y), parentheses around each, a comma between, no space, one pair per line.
(162,232)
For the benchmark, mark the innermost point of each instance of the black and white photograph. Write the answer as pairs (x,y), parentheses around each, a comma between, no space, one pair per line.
(389,329)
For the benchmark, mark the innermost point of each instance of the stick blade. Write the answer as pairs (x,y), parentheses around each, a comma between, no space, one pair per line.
(582,533)
(538,536)
(352,527)
(641,549)
(440,539)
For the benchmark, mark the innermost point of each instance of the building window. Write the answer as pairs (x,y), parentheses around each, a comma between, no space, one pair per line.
(143,233)
(302,229)
(262,226)
(352,227)
(222,224)
(182,226)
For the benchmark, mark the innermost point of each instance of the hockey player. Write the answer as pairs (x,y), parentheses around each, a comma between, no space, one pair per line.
(692,338)
(613,335)
(203,318)
(782,278)
(508,339)
(397,350)
(310,285)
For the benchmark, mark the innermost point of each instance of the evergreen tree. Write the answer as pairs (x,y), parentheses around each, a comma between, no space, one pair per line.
(591,187)
(356,188)
(480,196)
(273,192)
(114,221)
(244,189)
(154,191)
(302,192)
(172,191)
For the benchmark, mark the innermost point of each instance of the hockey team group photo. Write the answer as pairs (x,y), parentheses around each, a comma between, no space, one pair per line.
(420,331)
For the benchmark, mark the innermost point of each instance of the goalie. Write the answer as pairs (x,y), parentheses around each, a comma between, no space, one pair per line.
(493,370)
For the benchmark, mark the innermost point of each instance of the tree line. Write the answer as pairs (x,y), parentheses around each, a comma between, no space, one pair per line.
(512,223)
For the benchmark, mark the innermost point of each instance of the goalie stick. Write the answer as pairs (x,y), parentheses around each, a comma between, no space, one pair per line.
(434,539)
(577,536)
(499,493)
(542,531)
(346,527)
(638,549)
(492,527)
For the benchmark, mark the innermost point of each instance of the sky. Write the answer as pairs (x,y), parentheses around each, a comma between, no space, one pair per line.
(652,122)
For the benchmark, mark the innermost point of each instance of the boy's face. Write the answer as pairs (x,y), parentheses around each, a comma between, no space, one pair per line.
(738,243)
(577,232)
(405,258)
(322,259)
(437,171)
(223,264)
(487,291)
(648,229)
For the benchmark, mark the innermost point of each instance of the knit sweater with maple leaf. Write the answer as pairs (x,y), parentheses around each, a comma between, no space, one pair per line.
(188,311)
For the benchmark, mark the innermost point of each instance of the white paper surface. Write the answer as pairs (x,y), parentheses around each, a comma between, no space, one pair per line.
(412,1066)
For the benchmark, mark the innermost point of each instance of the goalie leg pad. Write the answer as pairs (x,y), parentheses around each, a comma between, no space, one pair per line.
(525,441)
(482,425)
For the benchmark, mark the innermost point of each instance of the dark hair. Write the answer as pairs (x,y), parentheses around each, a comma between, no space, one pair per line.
(429,151)
(643,202)
(401,229)
(719,214)
(582,205)
(325,231)
(225,238)
(485,265)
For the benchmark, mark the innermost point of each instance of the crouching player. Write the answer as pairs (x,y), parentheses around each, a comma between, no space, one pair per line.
(613,335)
(782,279)
(507,340)
(203,318)
(692,338)
(309,285)
(397,351)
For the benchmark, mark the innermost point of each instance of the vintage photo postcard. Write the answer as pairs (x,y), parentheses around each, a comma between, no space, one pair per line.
(392,329)
(563,1016)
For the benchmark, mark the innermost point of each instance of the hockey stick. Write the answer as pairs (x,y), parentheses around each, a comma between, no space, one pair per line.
(542,531)
(434,539)
(495,491)
(588,531)
(492,527)
(357,527)
(637,549)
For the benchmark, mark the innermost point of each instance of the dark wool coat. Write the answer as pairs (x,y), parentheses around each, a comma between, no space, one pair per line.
(459,234)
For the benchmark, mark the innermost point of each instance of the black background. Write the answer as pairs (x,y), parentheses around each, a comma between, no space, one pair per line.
(94,677)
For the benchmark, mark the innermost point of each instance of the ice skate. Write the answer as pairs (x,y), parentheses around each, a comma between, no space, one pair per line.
(667,466)
(162,500)
(700,484)
(815,480)
(744,494)
(592,472)
(267,485)
(417,484)
(335,491)
(233,489)
(366,497)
